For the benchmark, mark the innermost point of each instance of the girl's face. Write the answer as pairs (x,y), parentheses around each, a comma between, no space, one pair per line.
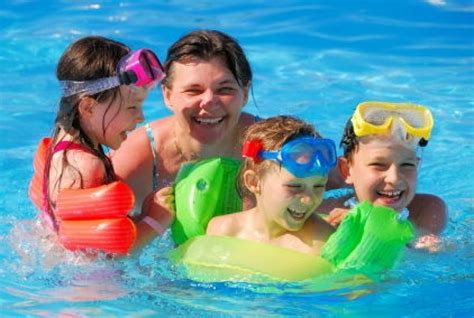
(111,120)
(383,173)
(287,201)
(206,99)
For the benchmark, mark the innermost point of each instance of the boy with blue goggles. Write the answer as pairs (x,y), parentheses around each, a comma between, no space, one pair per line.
(303,157)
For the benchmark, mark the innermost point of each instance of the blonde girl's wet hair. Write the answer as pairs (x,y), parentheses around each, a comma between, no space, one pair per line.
(273,132)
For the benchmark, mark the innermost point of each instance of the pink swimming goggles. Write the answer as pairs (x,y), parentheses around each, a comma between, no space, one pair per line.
(140,68)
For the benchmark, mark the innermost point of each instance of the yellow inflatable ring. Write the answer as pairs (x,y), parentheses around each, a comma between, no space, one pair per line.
(222,258)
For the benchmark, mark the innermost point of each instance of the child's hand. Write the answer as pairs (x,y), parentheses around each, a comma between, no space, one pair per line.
(429,242)
(336,216)
(160,206)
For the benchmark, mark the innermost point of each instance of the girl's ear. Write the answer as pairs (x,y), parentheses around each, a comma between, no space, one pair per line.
(343,165)
(252,181)
(86,105)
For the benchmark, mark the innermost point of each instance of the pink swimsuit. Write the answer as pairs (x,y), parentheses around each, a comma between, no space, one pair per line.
(46,213)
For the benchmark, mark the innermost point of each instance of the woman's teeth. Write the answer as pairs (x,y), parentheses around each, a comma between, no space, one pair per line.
(208,121)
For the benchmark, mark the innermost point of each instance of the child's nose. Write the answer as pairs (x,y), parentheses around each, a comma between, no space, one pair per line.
(307,198)
(393,175)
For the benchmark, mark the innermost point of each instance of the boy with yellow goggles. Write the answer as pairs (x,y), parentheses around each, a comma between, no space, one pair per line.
(381,162)
(379,117)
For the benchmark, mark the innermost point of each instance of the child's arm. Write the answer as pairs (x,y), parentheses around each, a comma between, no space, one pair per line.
(336,216)
(158,211)
(429,213)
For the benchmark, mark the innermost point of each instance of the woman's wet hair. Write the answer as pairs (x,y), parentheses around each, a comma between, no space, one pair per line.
(206,45)
(273,132)
(88,58)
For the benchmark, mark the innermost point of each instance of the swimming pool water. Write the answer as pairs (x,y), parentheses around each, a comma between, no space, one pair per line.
(314,60)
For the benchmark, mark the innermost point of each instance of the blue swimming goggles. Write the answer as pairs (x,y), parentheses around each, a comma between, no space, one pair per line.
(303,157)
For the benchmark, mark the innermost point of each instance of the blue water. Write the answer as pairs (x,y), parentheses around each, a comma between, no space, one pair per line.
(316,61)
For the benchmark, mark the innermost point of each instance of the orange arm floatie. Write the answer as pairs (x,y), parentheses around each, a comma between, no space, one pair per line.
(94,218)
(36,185)
(108,235)
(113,200)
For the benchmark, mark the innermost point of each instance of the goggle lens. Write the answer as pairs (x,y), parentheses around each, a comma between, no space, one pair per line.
(379,117)
(151,65)
(305,156)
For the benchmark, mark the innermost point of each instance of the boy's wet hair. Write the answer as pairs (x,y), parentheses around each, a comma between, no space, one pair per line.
(349,140)
(273,132)
(206,45)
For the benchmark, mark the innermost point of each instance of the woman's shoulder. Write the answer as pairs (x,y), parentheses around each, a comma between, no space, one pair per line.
(247,119)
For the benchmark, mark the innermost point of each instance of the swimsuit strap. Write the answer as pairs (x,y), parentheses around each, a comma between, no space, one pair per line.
(151,139)
(69,145)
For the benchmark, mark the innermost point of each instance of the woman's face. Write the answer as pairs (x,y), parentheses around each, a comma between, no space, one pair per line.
(206,99)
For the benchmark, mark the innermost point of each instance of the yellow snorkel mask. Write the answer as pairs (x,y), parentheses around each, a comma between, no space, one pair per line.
(382,118)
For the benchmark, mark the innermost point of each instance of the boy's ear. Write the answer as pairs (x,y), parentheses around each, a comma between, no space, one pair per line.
(86,105)
(343,165)
(252,181)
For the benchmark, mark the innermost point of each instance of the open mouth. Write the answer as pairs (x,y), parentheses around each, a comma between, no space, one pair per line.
(297,215)
(392,195)
(208,121)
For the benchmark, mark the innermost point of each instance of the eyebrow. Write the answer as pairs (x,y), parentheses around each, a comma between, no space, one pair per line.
(223,82)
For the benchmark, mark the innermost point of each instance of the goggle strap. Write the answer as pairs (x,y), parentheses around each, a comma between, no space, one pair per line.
(269,155)
(90,87)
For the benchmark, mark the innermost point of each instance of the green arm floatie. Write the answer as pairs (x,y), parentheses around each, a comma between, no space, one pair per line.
(370,238)
(204,189)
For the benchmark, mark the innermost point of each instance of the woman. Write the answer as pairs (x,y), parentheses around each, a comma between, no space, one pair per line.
(207,85)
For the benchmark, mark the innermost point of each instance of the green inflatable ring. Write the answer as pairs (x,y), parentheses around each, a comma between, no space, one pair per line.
(369,240)
(204,189)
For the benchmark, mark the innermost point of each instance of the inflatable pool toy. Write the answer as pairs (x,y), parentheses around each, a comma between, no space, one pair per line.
(221,258)
(369,242)
(87,219)
(204,189)
(96,218)
(370,238)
